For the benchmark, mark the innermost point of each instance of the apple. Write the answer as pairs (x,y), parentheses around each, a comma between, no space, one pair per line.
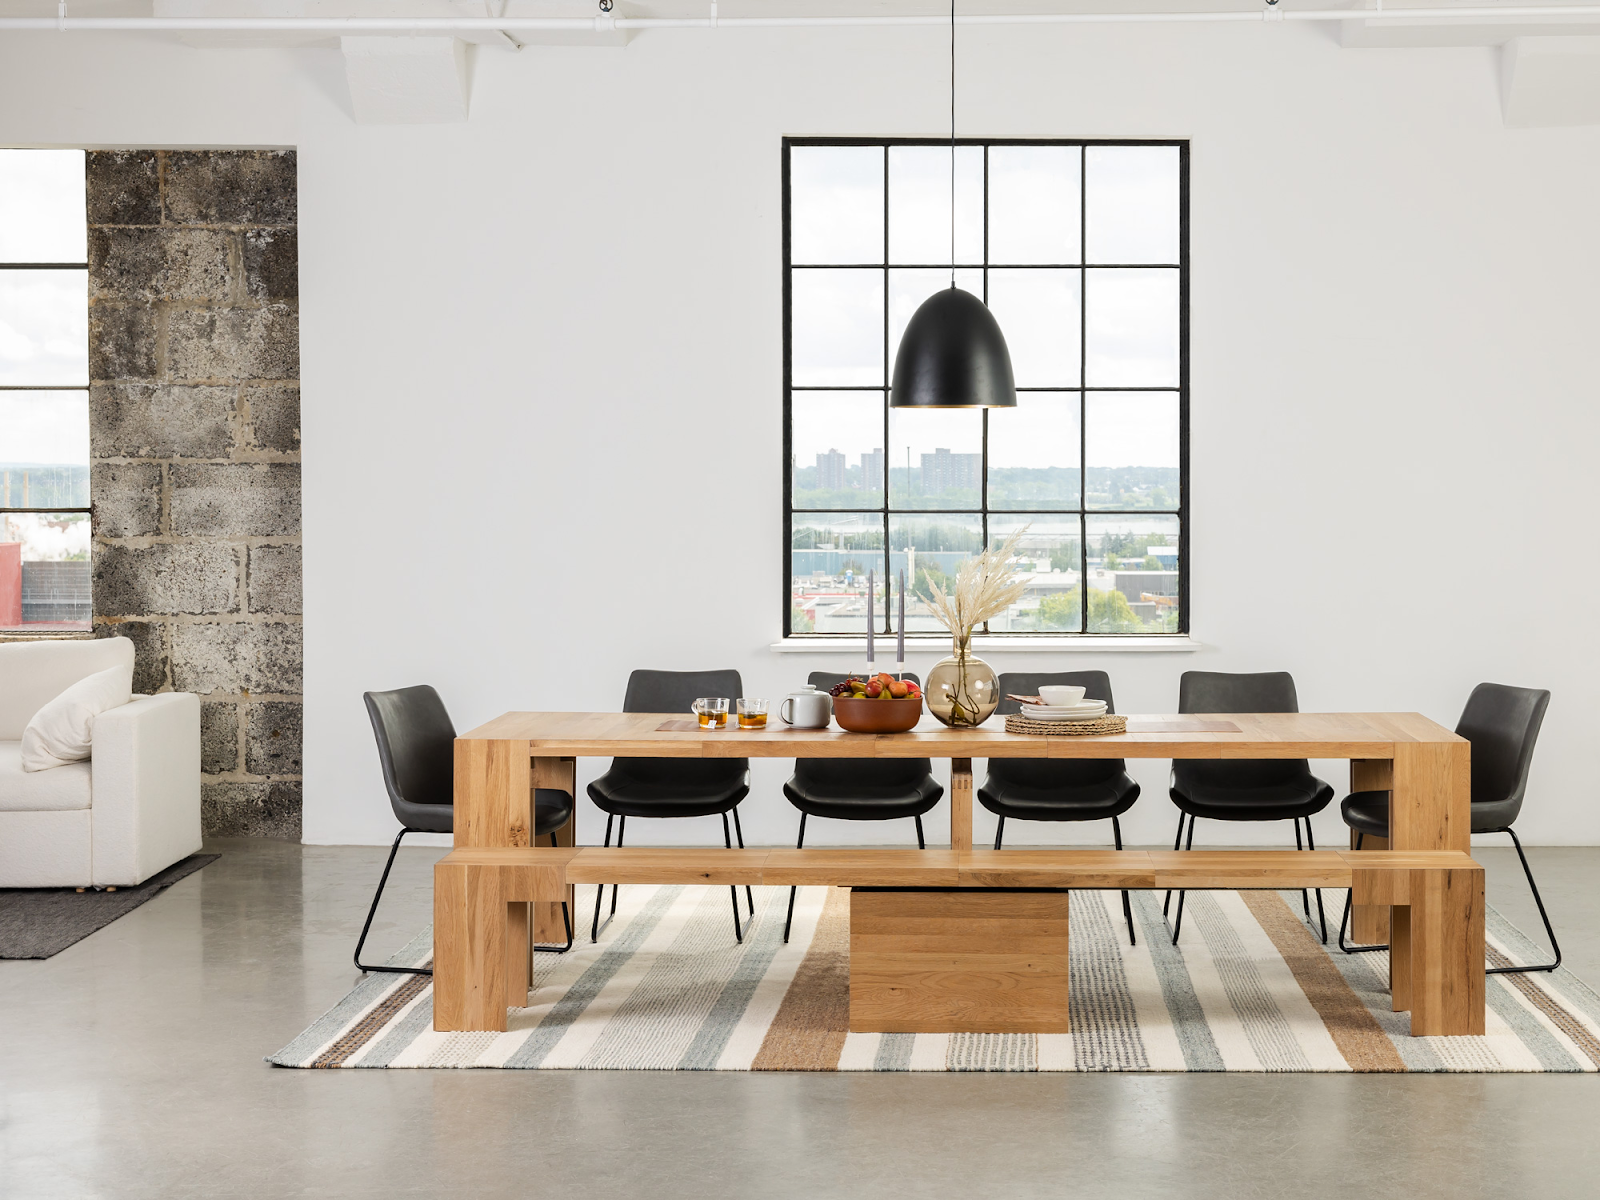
(899,690)
(874,689)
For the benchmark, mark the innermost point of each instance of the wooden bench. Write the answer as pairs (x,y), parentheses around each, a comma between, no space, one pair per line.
(959,941)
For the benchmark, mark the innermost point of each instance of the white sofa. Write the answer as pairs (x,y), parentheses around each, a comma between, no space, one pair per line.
(114,821)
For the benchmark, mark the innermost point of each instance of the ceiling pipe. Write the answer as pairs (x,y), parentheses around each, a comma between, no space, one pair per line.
(380,25)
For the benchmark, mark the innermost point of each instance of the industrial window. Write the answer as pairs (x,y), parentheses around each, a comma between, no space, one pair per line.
(1080,249)
(44,392)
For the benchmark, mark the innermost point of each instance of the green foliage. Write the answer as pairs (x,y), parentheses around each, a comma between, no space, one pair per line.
(929,575)
(1108,613)
(800,621)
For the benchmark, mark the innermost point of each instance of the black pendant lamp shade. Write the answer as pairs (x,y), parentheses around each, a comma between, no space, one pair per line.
(953,355)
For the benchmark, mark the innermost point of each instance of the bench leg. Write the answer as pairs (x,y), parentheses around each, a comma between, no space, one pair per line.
(472,929)
(1447,949)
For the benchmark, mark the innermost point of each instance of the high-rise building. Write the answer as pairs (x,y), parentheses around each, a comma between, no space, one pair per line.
(831,471)
(872,470)
(945,472)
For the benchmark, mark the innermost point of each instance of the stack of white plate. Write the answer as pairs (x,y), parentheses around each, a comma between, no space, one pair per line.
(1083,710)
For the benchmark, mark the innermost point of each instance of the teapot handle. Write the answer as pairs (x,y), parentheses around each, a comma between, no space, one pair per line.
(785,709)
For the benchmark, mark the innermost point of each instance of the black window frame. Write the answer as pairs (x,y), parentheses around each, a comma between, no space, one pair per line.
(1082,512)
(87,509)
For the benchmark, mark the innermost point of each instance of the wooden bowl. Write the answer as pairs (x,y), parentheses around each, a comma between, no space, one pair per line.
(877,716)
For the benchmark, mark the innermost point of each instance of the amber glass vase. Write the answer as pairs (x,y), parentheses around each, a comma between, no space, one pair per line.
(962,690)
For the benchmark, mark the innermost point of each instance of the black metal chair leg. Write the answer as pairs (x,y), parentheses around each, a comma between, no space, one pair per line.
(999,832)
(1311,844)
(733,890)
(600,892)
(1176,843)
(566,918)
(1305,896)
(1543,916)
(1127,908)
(738,832)
(921,843)
(799,844)
(1177,924)
(1345,920)
(371,912)
(622,829)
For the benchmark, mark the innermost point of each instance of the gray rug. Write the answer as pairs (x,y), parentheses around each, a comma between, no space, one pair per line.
(40,922)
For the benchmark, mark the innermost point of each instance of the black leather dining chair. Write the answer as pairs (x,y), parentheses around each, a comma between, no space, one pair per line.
(1036,789)
(1502,723)
(859,789)
(1268,789)
(416,749)
(673,787)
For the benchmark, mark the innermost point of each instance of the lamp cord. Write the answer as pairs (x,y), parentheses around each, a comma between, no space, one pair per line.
(952,143)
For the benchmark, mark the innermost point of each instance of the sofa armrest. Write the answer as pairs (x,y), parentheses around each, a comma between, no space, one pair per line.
(145,797)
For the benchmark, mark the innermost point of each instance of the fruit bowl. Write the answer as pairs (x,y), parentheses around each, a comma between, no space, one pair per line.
(877,716)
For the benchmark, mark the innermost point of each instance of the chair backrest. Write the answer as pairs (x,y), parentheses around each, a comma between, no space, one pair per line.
(34,673)
(1502,723)
(1227,692)
(416,746)
(1060,773)
(883,772)
(675,692)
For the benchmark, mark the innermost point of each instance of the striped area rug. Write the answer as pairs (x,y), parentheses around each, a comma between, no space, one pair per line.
(1250,988)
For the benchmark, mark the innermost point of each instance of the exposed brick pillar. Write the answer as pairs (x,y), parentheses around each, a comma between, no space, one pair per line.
(194,413)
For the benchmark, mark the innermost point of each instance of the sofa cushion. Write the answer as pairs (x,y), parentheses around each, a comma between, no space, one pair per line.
(34,673)
(40,791)
(63,731)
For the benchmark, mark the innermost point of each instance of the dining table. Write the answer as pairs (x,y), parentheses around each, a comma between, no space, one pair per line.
(1425,767)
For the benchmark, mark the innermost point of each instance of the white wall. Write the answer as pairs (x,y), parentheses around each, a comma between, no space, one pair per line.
(532,343)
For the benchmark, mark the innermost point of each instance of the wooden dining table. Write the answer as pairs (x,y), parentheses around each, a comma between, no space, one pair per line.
(1425,767)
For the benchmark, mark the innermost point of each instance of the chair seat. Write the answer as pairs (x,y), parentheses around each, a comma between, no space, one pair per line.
(552,808)
(622,795)
(1080,802)
(1368,813)
(1286,801)
(424,818)
(863,801)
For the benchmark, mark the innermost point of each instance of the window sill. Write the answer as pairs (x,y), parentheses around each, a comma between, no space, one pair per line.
(1104,644)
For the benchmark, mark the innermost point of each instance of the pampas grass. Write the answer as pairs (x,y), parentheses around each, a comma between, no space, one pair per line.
(985,587)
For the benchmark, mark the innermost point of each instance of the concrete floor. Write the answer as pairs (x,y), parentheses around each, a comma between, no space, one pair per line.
(130,1066)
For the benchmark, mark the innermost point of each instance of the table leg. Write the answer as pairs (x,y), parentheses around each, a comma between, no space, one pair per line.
(548,927)
(1369,923)
(1430,800)
(978,960)
(492,782)
(1447,972)
(961,804)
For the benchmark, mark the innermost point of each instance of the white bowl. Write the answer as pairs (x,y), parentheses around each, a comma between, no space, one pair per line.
(1057,696)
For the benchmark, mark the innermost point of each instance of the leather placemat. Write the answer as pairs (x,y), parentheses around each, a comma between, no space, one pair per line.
(1146,725)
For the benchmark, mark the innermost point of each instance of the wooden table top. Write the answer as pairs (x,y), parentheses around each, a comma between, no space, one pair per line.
(1260,735)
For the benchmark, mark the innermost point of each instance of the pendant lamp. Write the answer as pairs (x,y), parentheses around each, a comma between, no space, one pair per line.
(952,354)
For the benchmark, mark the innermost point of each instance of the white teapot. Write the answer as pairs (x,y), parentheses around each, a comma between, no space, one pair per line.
(809,709)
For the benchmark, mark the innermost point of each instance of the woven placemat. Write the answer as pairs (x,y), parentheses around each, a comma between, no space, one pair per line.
(1110,723)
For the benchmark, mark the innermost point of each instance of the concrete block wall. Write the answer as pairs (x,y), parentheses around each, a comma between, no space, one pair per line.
(194,415)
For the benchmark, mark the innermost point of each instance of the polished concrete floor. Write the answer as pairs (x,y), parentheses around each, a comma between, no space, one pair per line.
(130,1066)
